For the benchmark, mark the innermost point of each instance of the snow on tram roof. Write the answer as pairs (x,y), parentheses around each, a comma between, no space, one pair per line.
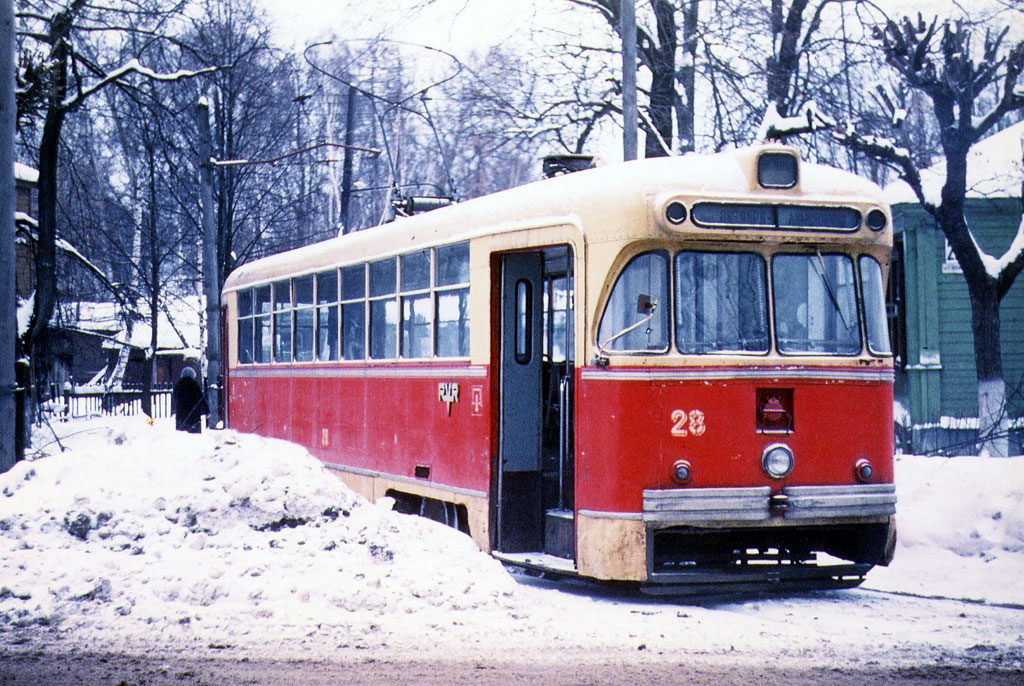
(568,199)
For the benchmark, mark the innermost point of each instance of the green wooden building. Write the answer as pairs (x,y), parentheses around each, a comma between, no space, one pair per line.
(930,310)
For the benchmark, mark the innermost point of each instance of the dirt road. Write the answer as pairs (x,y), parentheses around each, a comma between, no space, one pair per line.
(88,669)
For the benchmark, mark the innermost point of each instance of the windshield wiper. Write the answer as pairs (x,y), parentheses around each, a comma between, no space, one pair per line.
(828,287)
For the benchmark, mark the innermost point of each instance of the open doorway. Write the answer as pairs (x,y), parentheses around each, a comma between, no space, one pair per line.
(535,483)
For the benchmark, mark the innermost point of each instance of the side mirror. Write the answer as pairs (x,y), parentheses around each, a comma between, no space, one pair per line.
(644,304)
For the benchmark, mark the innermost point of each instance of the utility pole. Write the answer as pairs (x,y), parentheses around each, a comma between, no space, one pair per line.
(627,29)
(8,319)
(346,174)
(211,278)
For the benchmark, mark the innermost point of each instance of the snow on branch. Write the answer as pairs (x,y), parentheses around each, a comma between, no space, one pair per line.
(809,119)
(91,266)
(887,151)
(998,267)
(1005,269)
(131,67)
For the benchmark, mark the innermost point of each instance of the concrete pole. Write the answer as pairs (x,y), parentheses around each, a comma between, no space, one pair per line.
(8,318)
(211,277)
(627,29)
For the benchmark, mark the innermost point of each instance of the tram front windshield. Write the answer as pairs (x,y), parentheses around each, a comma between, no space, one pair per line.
(720,304)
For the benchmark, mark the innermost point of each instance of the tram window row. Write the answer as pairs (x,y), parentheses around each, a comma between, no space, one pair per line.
(414,306)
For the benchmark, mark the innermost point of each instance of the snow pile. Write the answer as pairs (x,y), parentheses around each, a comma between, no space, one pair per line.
(138,538)
(960,528)
(244,537)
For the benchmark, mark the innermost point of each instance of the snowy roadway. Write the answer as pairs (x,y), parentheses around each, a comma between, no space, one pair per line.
(142,555)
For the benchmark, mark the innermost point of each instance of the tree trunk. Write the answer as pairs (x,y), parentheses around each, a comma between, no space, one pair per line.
(782,63)
(662,62)
(993,419)
(46,244)
(687,77)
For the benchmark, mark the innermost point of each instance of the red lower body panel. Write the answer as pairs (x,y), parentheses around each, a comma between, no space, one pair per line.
(388,420)
(633,425)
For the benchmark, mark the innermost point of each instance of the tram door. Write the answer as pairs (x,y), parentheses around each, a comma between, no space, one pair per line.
(535,506)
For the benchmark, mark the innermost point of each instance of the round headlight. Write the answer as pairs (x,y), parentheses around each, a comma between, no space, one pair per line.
(777,461)
(864,470)
(681,471)
(877,220)
(676,212)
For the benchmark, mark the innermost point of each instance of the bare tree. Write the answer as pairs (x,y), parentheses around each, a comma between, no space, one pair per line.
(64,64)
(667,46)
(972,88)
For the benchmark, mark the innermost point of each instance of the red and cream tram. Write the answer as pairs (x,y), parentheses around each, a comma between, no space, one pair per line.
(673,371)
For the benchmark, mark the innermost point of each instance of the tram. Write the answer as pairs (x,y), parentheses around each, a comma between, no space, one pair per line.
(674,372)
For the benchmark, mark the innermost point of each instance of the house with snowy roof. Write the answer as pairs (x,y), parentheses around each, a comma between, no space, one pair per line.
(930,309)
(98,345)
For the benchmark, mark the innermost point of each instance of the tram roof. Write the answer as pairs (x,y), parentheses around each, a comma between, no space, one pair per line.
(580,198)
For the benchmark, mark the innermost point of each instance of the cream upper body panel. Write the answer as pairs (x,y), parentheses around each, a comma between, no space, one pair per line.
(614,203)
(607,214)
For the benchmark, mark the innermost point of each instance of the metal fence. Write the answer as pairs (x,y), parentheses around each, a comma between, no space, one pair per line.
(74,404)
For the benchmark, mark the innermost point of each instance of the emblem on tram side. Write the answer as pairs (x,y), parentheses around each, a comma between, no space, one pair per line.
(448,393)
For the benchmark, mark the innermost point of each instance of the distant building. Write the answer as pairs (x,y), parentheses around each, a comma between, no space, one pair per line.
(936,379)
(90,341)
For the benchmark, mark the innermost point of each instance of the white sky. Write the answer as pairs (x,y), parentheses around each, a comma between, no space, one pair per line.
(464,25)
(456,25)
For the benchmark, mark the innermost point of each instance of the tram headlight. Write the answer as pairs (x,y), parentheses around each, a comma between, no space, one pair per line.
(675,212)
(864,470)
(777,461)
(877,220)
(681,471)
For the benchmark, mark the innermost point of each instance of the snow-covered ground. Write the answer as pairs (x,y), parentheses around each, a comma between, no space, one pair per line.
(128,536)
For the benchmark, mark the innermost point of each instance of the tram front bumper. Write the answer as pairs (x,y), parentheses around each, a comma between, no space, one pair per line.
(748,537)
(723,506)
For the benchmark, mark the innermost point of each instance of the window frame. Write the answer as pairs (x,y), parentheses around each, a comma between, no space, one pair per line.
(767,302)
(852,262)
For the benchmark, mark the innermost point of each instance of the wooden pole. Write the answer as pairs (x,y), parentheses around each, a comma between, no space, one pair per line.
(8,309)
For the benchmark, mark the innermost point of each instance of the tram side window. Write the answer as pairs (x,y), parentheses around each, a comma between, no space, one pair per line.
(261,324)
(282,321)
(721,303)
(302,292)
(557,306)
(873,293)
(451,282)
(383,309)
(353,312)
(245,327)
(815,304)
(417,317)
(641,286)
(327,315)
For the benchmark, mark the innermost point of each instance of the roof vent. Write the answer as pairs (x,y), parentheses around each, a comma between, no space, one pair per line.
(556,165)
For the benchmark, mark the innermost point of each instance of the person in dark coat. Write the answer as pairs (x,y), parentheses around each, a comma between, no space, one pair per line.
(189,403)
